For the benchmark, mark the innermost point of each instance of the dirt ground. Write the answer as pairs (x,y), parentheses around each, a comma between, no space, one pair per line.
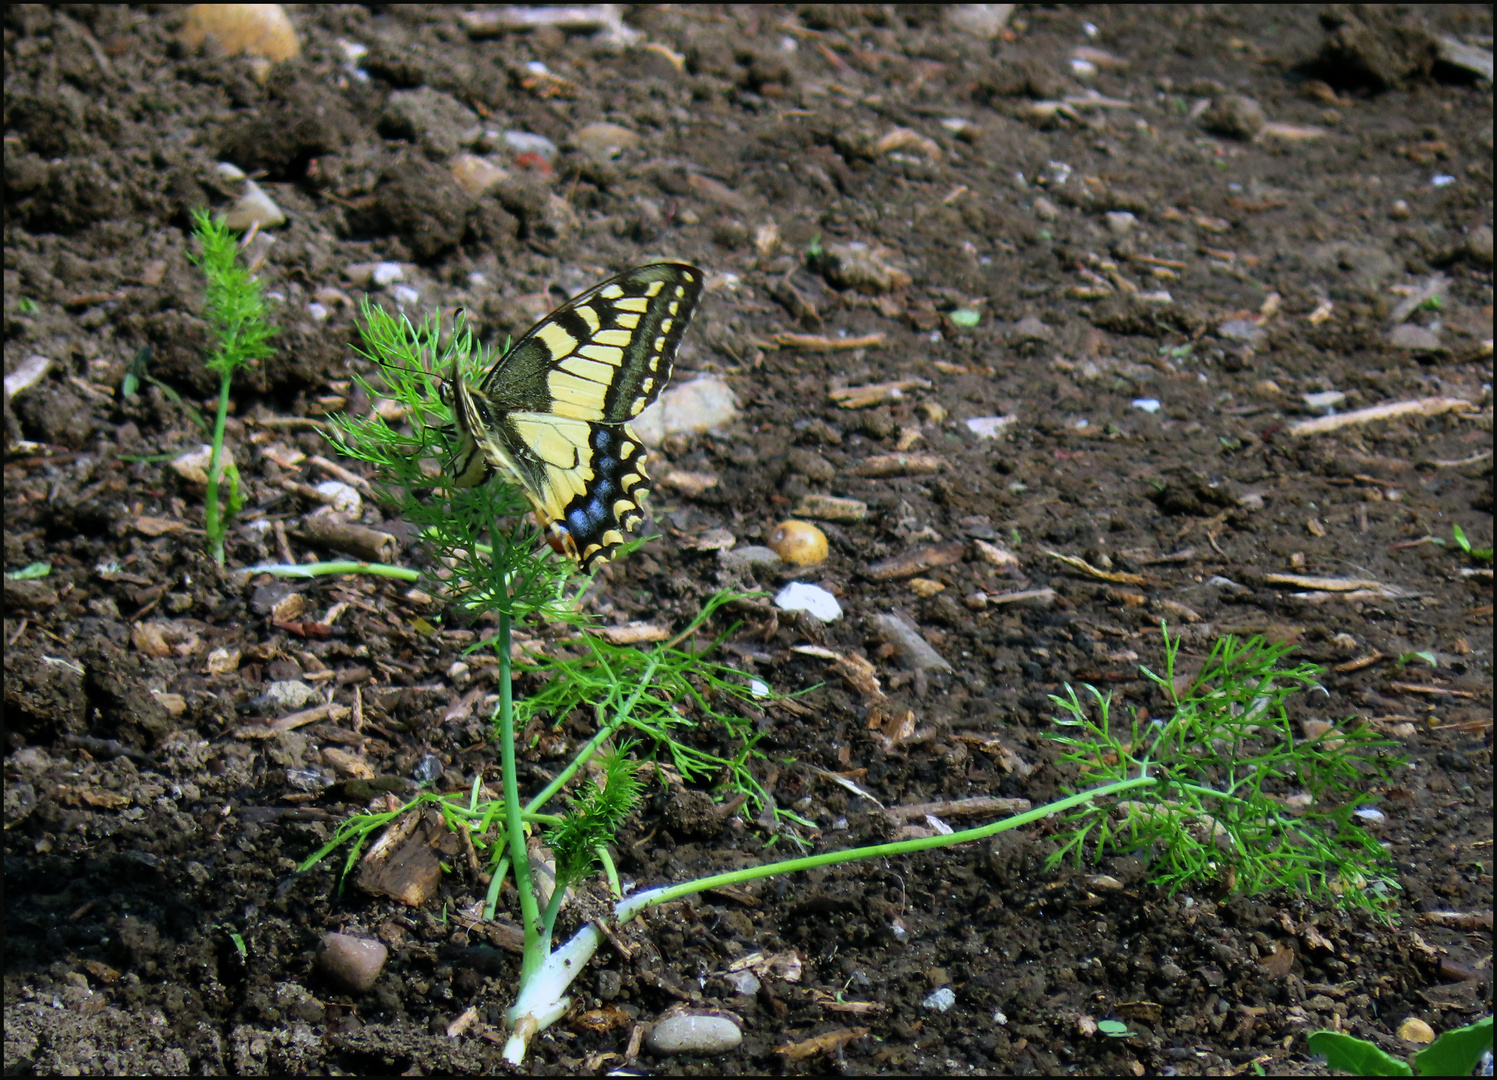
(1166,279)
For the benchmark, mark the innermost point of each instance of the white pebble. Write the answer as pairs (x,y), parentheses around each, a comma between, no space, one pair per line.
(340,496)
(988,427)
(386,272)
(404,295)
(941,999)
(1147,404)
(812,599)
(692,1034)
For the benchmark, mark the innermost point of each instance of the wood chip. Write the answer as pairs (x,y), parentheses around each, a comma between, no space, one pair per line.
(1117,577)
(831,508)
(1431,691)
(886,465)
(979,806)
(1359,663)
(1340,585)
(1433,406)
(821,343)
(917,561)
(1037,597)
(861,397)
(1460,920)
(690,484)
(830,1003)
(825,1043)
(994,555)
(633,633)
(155,526)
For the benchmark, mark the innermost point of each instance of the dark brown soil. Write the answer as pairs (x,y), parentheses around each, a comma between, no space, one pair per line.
(143,827)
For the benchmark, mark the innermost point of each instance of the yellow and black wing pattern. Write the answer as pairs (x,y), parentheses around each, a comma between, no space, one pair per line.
(552,414)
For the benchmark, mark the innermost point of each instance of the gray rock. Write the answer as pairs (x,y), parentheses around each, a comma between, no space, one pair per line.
(752,557)
(1240,330)
(694,407)
(810,464)
(914,650)
(353,963)
(691,1033)
(603,141)
(1030,328)
(1235,116)
(1479,245)
(1415,338)
(437,122)
(290,694)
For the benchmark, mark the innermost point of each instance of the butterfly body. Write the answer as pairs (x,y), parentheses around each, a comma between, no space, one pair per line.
(552,414)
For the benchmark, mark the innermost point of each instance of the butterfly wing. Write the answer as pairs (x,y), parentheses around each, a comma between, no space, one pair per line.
(553,412)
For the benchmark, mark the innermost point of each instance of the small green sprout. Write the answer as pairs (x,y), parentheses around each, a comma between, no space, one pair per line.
(965,318)
(1483,554)
(1405,659)
(27,306)
(1113,1029)
(29,573)
(235,311)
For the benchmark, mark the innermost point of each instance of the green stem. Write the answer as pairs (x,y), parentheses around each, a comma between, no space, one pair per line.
(611,872)
(585,754)
(653,898)
(535,947)
(554,907)
(345,566)
(212,520)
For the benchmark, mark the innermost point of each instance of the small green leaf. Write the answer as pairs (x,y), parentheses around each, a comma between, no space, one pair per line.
(965,318)
(1113,1029)
(814,250)
(1460,538)
(28,306)
(1356,1056)
(1457,1052)
(29,573)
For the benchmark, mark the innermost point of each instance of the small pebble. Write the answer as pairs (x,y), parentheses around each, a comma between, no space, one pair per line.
(352,962)
(1121,222)
(1045,210)
(812,599)
(1415,338)
(254,208)
(941,999)
(1030,328)
(289,694)
(1148,405)
(1240,330)
(1400,211)
(1416,1030)
(1325,401)
(1479,245)
(693,1034)
(603,141)
(988,427)
(798,543)
(744,982)
(1235,116)
(691,408)
(750,557)
(341,497)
